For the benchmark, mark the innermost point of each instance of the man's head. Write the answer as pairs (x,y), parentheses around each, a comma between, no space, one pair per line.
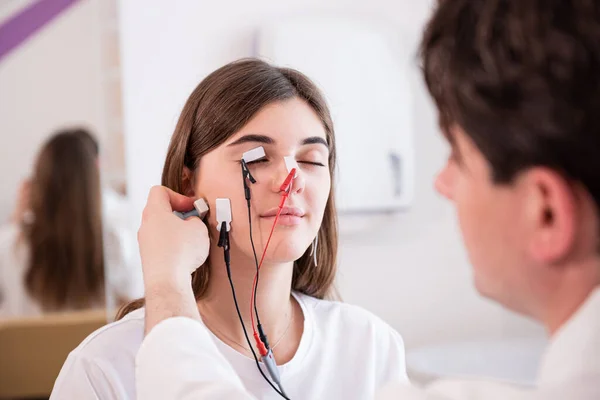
(517,86)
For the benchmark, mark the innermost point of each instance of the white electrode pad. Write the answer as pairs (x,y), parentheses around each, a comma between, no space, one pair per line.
(290,163)
(223,213)
(254,154)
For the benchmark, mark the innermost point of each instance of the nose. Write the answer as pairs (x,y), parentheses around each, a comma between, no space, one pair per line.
(282,173)
(444,182)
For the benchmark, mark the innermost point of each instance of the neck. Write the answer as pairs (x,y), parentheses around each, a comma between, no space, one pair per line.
(574,287)
(273,296)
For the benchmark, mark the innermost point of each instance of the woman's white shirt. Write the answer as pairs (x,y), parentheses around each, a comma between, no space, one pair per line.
(345,353)
(14,257)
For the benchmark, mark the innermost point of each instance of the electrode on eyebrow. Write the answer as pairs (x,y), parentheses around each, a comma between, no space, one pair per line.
(290,164)
(223,213)
(254,154)
(200,210)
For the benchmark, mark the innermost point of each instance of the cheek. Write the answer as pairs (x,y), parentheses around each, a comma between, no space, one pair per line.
(479,243)
(213,187)
(488,227)
(476,218)
(316,193)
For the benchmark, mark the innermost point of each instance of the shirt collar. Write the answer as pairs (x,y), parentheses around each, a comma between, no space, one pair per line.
(573,351)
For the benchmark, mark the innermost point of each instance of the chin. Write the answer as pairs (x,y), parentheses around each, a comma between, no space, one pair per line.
(483,287)
(283,252)
(499,293)
(289,254)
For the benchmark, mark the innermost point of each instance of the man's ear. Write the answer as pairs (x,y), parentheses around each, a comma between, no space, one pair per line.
(187,182)
(554,216)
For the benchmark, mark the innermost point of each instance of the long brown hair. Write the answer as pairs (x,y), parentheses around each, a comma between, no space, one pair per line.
(220,106)
(66,268)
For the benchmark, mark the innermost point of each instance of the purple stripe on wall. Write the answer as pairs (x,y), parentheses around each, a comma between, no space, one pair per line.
(20,27)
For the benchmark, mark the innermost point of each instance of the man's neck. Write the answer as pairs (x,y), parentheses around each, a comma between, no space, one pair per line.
(576,285)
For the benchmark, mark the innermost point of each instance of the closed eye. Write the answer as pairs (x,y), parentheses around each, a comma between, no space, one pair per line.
(262,160)
(318,164)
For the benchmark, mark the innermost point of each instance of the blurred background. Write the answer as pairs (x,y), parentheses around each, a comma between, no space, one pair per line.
(117,73)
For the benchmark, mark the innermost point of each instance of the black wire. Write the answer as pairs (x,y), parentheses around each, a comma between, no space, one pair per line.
(237,308)
(247,193)
(256,262)
(250,345)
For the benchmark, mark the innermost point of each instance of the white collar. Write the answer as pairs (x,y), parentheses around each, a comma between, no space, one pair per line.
(574,351)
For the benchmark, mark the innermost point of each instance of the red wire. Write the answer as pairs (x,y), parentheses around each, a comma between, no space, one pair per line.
(261,262)
(286,191)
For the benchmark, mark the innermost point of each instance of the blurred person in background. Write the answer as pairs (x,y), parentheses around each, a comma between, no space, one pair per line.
(51,253)
(121,255)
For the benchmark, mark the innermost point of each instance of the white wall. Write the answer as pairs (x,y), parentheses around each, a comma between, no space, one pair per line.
(8,8)
(410,269)
(52,80)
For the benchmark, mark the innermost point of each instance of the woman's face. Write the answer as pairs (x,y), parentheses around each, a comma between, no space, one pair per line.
(289,128)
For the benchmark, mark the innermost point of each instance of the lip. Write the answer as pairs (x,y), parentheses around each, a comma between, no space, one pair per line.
(290,216)
(285,211)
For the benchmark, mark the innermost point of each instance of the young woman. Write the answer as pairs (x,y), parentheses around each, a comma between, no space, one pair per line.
(54,251)
(51,257)
(242,106)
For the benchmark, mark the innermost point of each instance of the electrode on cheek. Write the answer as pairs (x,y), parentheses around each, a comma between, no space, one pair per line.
(223,213)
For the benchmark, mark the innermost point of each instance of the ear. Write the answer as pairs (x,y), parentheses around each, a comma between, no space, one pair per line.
(552,215)
(187,182)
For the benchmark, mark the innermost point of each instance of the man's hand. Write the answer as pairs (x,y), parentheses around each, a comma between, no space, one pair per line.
(170,250)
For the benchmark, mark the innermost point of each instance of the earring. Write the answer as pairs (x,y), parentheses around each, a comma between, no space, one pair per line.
(313,251)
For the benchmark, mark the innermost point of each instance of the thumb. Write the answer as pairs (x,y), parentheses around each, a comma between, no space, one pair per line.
(196,228)
(198,235)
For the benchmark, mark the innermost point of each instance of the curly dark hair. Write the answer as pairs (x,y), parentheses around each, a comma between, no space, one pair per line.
(522,79)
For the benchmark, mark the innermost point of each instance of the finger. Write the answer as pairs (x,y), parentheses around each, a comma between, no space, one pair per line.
(161,197)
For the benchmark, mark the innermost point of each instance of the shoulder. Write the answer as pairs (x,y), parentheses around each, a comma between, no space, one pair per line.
(113,346)
(8,235)
(348,327)
(350,315)
(104,362)
(13,256)
(352,319)
(123,336)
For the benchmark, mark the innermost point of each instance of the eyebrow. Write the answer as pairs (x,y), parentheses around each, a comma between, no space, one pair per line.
(253,138)
(315,140)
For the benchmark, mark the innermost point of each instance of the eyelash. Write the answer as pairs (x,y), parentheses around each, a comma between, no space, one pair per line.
(257,161)
(316,164)
(263,160)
